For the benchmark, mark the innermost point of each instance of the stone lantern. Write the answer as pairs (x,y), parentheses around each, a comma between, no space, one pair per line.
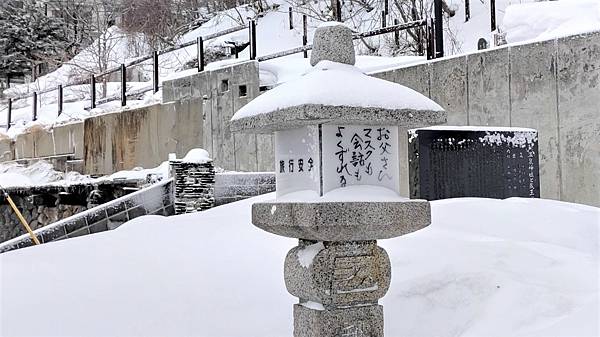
(337,175)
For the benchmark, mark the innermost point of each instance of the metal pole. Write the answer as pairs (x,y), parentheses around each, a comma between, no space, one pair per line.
(397,32)
(439,29)
(291,18)
(252,30)
(430,45)
(304,34)
(123,85)
(200,46)
(493,14)
(93,91)
(467,10)
(386,7)
(383,19)
(34,106)
(60,99)
(9,116)
(155,71)
(339,10)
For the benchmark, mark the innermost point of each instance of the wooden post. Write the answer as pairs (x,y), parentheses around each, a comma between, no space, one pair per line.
(34,106)
(123,85)
(93,91)
(304,34)
(200,47)
(155,71)
(291,18)
(59,99)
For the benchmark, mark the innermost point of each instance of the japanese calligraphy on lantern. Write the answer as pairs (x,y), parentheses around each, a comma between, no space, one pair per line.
(297,160)
(360,155)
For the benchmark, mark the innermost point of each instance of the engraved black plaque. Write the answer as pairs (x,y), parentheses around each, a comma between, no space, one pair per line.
(467,162)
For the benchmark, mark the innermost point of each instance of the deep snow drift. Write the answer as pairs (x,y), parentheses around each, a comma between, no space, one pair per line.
(516,267)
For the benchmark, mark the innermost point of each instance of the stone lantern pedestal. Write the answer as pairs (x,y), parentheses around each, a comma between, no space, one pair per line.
(337,172)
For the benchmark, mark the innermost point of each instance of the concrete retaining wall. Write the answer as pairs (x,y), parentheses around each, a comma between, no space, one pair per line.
(552,86)
(224,91)
(141,137)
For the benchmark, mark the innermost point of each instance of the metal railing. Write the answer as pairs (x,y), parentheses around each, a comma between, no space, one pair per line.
(199,42)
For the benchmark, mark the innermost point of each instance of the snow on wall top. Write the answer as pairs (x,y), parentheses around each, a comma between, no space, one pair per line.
(550,19)
(335,84)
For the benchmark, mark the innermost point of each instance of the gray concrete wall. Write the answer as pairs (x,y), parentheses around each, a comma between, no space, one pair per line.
(552,86)
(224,91)
(141,137)
(59,140)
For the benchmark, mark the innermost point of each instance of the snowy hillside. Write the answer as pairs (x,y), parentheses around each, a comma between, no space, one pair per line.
(515,267)
(551,19)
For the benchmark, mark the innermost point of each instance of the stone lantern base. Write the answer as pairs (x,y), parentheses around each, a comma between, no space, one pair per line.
(351,322)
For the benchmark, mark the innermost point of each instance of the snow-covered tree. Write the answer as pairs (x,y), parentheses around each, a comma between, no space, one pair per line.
(29,39)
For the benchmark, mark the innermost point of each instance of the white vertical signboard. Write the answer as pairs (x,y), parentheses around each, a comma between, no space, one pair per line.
(297,160)
(360,155)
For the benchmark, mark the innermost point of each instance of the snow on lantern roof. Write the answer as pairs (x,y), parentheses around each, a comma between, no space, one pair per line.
(336,93)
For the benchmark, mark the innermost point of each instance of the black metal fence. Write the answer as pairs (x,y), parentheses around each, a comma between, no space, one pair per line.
(431,35)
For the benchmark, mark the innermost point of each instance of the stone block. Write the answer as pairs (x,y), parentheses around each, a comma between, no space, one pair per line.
(341,221)
(333,43)
(338,274)
(415,77)
(365,321)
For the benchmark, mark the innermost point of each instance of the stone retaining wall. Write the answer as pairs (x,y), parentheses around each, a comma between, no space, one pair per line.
(156,200)
(235,186)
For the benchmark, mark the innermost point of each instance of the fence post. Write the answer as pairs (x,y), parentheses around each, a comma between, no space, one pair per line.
(291,18)
(338,10)
(60,99)
(252,31)
(430,45)
(155,71)
(439,29)
(493,14)
(383,19)
(9,116)
(467,10)
(397,32)
(386,7)
(305,34)
(200,52)
(123,85)
(34,106)
(93,91)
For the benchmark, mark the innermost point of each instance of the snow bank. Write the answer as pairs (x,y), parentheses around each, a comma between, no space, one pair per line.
(550,19)
(515,267)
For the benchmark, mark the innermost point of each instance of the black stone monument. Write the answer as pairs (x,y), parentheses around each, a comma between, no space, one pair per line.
(470,162)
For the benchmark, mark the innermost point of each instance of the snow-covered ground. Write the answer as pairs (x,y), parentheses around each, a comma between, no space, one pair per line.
(515,267)
(42,173)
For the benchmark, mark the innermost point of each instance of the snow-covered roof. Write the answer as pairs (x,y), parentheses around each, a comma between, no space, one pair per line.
(331,84)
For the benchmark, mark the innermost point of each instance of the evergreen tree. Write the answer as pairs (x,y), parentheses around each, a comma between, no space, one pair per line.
(28,38)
